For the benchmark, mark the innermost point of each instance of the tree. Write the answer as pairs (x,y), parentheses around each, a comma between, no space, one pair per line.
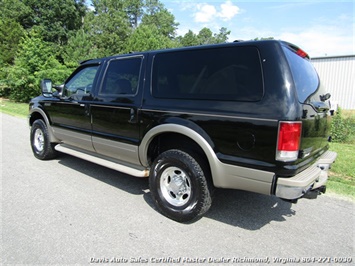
(16,10)
(222,36)
(53,19)
(135,11)
(189,39)
(147,38)
(205,36)
(35,60)
(156,14)
(10,36)
(108,26)
(79,47)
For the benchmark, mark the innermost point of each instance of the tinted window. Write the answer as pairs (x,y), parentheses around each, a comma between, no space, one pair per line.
(81,83)
(304,75)
(121,77)
(232,73)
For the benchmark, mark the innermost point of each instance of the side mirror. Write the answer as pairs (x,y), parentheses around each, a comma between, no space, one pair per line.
(46,87)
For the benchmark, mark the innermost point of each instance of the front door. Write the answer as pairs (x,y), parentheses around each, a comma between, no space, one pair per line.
(70,115)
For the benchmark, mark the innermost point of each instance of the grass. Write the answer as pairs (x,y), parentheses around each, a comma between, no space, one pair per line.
(341,177)
(12,108)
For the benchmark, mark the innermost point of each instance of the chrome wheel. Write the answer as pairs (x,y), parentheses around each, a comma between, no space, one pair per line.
(178,184)
(175,186)
(41,146)
(38,140)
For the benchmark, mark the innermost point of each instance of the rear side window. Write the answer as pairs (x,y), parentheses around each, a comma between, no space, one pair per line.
(232,73)
(304,75)
(121,77)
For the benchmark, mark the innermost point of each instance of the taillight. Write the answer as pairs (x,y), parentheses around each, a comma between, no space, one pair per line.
(288,141)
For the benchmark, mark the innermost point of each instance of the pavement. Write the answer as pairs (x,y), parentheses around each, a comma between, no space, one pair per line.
(69,211)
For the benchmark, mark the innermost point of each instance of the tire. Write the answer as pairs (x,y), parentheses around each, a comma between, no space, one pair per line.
(179,187)
(41,147)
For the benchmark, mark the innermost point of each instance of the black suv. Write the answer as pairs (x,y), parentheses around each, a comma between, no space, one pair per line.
(248,115)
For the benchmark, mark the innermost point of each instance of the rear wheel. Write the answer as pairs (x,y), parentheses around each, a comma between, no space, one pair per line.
(179,187)
(41,147)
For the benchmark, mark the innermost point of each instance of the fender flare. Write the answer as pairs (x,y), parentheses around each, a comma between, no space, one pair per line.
(180,129)
(52,138)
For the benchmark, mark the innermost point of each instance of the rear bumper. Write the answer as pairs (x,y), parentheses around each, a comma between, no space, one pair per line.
(312,178)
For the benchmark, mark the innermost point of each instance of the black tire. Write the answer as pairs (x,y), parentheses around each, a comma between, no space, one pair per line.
(179,187)
(41,147)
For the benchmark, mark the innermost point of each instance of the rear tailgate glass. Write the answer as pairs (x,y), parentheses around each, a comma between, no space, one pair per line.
(311,94)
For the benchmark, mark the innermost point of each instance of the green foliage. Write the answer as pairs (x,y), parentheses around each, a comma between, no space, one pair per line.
(34,61)
(12,108)
(205,36)
(80,47)
(108,26)
(47,38)
(342,174)
(157,15)
(147,38)
(342,128)
(55,19)
(9,39)
(135,11)
(16,10)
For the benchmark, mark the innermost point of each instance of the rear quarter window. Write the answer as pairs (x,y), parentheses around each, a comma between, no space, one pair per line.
(228,73)
(304,75)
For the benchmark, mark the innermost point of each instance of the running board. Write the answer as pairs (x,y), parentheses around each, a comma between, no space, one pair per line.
(107,163)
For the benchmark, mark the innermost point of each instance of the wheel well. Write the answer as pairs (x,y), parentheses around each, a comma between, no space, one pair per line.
(170,140)
(35,116)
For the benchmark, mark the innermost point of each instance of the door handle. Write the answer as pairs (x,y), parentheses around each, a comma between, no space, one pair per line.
(132,116)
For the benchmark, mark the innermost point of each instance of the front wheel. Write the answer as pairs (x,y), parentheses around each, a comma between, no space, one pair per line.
(41,147)
(179,187)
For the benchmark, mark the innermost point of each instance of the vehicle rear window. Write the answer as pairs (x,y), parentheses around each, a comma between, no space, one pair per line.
(228,73)
(304,75)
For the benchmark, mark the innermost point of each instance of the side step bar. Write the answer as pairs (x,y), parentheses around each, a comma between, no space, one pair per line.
(107,163)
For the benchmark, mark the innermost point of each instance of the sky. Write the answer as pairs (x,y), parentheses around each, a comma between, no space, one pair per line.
(321,28)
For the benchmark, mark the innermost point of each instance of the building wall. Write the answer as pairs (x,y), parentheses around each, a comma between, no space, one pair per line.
(338,76)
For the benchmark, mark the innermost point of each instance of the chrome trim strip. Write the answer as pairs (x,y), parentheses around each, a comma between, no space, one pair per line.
(111,106)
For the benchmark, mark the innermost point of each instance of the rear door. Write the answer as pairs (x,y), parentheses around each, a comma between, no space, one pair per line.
(115,111)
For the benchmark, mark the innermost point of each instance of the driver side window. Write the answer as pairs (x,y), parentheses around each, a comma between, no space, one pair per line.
(80,84)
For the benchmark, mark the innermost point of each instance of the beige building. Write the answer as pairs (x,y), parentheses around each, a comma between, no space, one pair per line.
(338,76)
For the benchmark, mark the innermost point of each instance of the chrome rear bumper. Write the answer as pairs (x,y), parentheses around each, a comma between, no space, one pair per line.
(312,178)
